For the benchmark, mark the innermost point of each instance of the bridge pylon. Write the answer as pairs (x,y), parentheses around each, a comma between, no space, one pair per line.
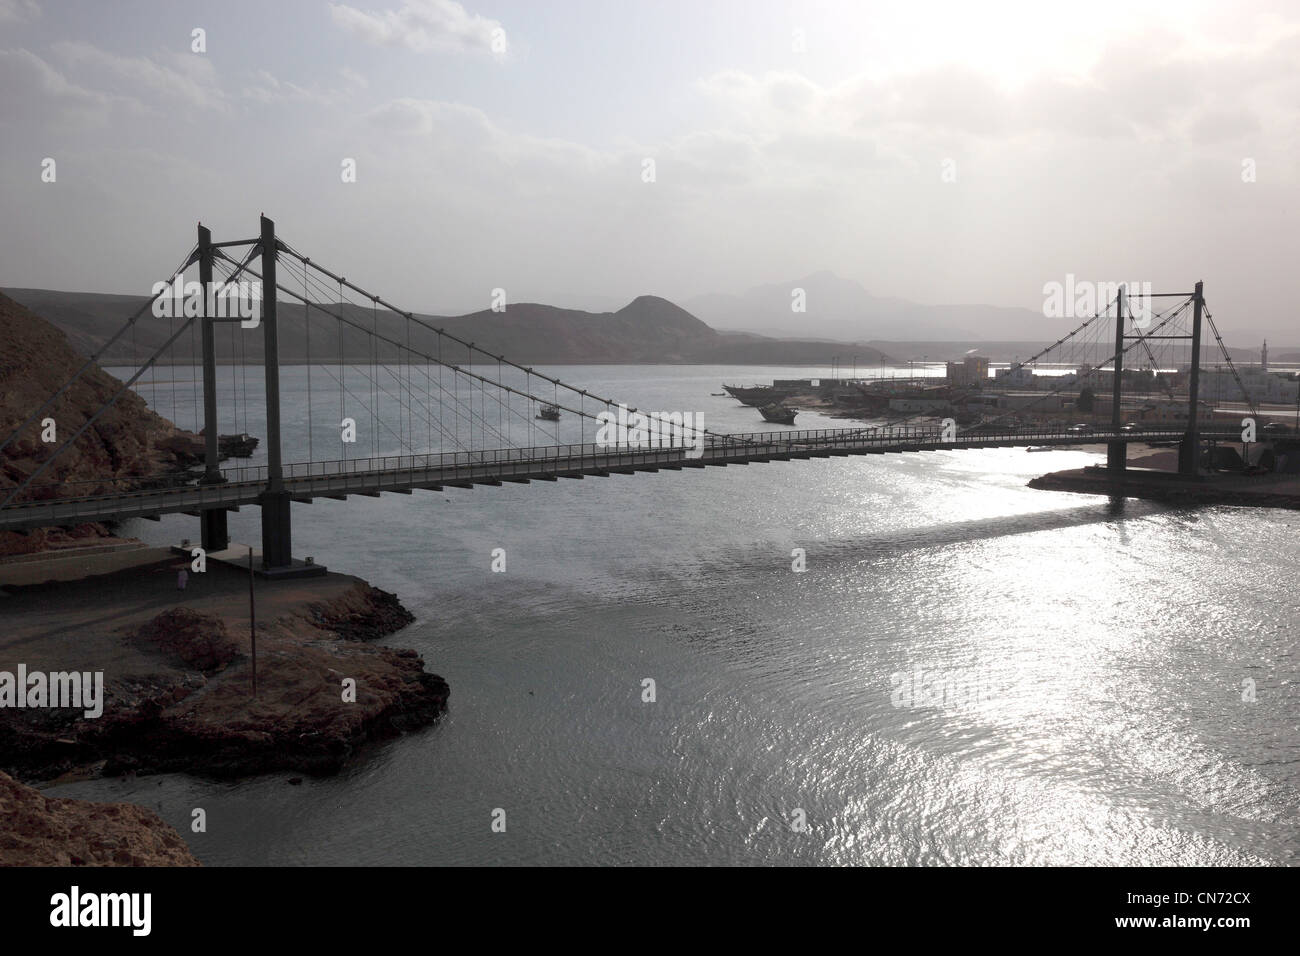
(277,528)
(214,534)
(1189,451)
(1117,451)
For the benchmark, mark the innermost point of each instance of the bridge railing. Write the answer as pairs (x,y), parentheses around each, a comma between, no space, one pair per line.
(555,459)
(734,445)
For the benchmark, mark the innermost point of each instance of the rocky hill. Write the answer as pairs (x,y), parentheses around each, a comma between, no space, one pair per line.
(648,330)
(129,441)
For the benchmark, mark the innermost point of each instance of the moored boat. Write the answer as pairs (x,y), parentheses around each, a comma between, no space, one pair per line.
(237,446)
(756,395)
(234,446)
(778,414)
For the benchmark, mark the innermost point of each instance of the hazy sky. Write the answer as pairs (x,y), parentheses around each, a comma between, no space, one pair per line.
(1111,140)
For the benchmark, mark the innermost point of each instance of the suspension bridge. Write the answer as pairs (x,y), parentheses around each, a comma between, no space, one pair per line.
(421,408)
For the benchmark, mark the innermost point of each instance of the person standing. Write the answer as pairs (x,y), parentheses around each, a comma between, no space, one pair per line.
(182,579)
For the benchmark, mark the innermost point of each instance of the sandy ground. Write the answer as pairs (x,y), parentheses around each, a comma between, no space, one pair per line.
(177,671)
(73,564)
(78,624)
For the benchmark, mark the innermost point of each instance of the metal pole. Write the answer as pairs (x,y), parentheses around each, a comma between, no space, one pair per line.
(1117,451)
(277,544)
(213,531)
(274,467)
(212,471)
(1189,464)
(252,618)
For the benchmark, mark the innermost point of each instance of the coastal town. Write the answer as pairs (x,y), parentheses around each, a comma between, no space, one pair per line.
(1261,469)
(973,391)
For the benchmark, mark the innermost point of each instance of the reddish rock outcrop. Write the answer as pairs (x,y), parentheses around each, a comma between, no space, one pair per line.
(361,614)
(190,637)
(36,830)
(127,443)
(196,712)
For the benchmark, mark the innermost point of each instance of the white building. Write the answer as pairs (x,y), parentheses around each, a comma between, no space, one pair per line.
(1016,377)
(1278,388)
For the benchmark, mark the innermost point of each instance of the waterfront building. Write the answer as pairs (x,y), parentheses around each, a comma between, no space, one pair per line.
(1015,377)
(1218,384)
(973,370)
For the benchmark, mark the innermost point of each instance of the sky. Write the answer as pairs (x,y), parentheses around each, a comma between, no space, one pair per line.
(942,152)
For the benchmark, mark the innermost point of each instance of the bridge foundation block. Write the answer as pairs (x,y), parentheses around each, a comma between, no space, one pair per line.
(1188,453)
(214,532)
(277,532)
(1116,456)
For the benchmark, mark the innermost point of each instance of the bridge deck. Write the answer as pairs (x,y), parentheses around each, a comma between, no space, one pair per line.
(371,476)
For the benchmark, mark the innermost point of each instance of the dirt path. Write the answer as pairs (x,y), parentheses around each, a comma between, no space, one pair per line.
(177,672)
(79,624)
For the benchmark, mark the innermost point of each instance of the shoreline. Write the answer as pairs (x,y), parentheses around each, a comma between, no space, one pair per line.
(177,673)
(1154,476)
(1259,492)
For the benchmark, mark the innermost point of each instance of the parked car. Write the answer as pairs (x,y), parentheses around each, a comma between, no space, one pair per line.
(1080,429)
(1276,428)
(1130,427)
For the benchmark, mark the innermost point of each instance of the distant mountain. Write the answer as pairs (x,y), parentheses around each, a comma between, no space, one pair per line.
(648,330)
(843,310)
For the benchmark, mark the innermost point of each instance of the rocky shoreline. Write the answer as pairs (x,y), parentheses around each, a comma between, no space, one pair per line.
(1259,492)
(36,830)
(178,683)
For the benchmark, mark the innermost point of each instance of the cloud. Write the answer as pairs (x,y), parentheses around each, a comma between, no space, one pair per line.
(18,11)
(1141,90)
(184,77)
(461,144)
(269,89)
(32,90)
(354,78)
(421,25)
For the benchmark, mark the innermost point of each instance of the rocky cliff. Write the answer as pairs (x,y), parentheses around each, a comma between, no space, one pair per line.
(127,443)
(36,830)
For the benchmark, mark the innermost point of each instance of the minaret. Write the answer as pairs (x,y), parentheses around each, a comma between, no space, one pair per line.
(1263,357)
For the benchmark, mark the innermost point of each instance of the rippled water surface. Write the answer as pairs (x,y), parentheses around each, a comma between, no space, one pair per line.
(969,671)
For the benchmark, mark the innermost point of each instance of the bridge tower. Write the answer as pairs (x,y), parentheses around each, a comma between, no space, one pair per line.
(277,532)
(1117,451)
(215,535)
(1188,452)
(277,529)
